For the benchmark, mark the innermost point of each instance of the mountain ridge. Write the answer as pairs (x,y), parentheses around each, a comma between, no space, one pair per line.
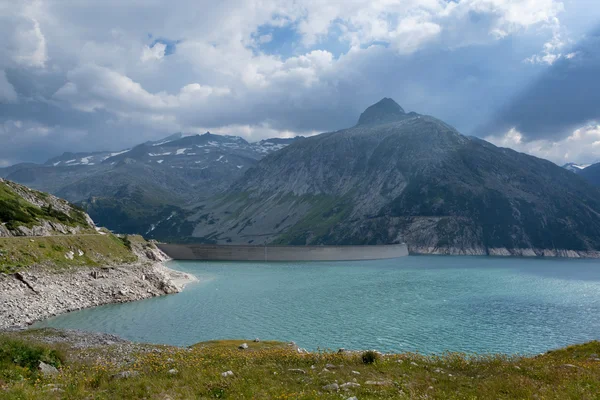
(144,188)
(414,179)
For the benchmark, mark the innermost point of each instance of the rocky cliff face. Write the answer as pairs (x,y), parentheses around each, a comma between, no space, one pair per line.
(27,212)
(408,177)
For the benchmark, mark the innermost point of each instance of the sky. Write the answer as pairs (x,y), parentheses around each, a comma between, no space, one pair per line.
(90,75)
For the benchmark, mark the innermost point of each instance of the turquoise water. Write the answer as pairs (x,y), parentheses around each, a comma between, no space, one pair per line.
(423,303)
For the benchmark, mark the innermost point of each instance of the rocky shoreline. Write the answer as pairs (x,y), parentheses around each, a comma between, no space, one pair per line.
(502,252)
(39,293)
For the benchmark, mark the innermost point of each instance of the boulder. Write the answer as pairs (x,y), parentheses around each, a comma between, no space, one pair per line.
(349,385)
(47,369)
(126,375)
(332,387)
(243,346)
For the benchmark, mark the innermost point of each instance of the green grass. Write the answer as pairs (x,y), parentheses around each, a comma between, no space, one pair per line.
(15,211)
(18,253)
(269,370)
(326,212)
(20,359)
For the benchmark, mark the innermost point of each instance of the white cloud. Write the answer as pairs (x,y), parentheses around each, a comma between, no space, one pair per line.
(23,42)
(582,146)
(218,78)
(552,50)
(91,87)
(156,52)
(7,90)
(262,39)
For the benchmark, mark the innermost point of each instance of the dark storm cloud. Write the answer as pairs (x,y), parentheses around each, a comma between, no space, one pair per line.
(563,98)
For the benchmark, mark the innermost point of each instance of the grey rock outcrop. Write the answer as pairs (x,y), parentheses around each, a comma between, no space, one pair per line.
(47,369)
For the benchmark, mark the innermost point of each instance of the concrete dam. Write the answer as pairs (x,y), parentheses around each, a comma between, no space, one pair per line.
(210,252)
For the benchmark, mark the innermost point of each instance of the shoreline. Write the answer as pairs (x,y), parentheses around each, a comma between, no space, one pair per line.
(36,294)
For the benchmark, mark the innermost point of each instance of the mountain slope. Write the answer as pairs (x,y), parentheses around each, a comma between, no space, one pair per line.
(591,174)
(408,177)
(146,189)
(573,167)
(26,212)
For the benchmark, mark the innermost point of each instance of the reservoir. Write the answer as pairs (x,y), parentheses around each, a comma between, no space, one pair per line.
(428,304)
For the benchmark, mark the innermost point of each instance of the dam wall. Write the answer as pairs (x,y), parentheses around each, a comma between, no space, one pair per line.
(210,252)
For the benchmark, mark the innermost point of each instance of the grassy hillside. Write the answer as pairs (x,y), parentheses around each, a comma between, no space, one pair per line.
(17,253)
(271,370)
(16,211)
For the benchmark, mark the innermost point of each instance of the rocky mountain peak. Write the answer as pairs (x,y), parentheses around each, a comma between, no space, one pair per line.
(384,111)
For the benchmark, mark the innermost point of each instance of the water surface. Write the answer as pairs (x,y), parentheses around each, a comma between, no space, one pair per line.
(417,303)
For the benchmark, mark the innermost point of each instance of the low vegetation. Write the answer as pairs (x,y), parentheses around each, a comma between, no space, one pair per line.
(273,370)
(17,253)
(15,211)
(19,360)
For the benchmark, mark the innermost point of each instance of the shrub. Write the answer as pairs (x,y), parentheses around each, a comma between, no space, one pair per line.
(126,241)
(370,356)
(25,355)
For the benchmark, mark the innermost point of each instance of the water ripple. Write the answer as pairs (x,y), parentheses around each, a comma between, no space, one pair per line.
(426,304)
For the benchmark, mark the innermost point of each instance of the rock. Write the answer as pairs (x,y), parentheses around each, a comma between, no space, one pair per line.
(569,366)
(226,374)
(256,340)
(356,372)
(352,398)
(243,346)
(126,375)
(47,369)
(349,385)
(173,371)
(330,366)
(414,364)
(332,387)
(378,383)
(297,370)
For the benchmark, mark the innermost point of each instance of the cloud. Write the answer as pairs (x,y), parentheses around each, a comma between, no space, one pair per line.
(581,146)
(92,68)
(23,42)
(7,90)
(563,97)
(156,52)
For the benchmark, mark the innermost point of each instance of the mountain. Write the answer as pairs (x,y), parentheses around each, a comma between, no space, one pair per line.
(146,189)
(575,167)
(399,176)
(591,174)
(26,212)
